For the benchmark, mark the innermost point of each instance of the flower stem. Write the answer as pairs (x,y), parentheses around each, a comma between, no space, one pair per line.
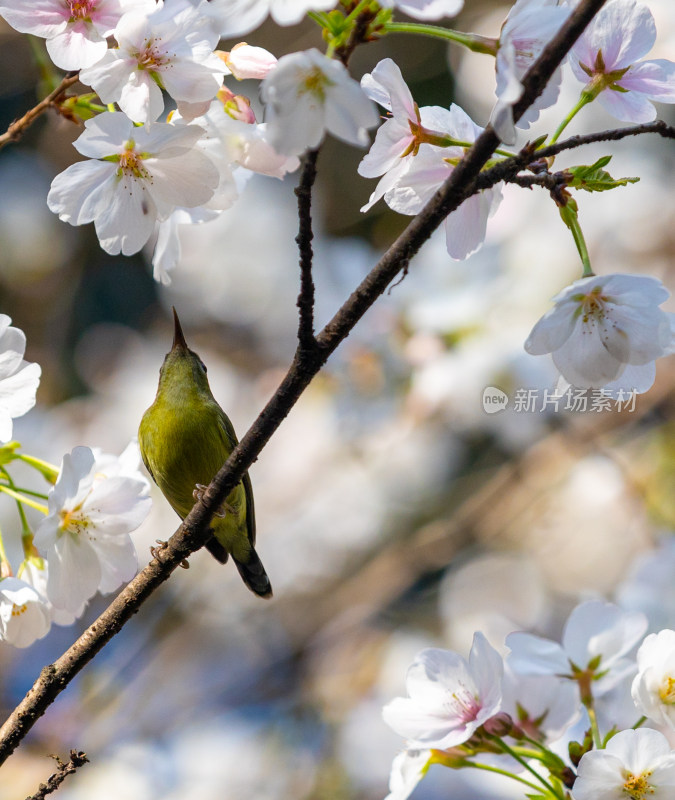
(22,499)
(472,41)
(571,219)
(584,100)
(639,723)
(488,768)
(514,754)
(26,532)
(595,730)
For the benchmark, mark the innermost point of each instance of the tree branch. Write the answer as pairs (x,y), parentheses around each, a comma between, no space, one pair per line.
(659,126)
(305,302)
(192,534)
(53,99)
(77,759)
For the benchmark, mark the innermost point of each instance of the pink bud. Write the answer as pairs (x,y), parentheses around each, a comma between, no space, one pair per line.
(245,61)
(236,105)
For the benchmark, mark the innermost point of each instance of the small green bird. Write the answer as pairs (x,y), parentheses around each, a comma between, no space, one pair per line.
(185,438)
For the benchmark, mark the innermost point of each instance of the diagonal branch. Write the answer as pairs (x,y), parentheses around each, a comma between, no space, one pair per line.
(54,98)
(192,534)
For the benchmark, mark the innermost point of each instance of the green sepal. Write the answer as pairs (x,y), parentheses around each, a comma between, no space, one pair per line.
(578,749)
(80,106)
(593,178)
(8,452)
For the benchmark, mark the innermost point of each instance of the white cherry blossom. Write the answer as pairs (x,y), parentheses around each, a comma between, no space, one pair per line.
(24,614)
(607,57)
(170,49)
(407,770)
(308,94)
(399,138)
(636,765)
(34,572)
(541,705)
(449,697)
(465,227)
(653,688)
(528,28)
(19,379)
(597,637)
(141,176)
(426,9)
(75,30)
(85,536)
(607,331)
(236,17)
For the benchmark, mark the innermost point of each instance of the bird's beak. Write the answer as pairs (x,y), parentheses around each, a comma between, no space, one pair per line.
(178,338)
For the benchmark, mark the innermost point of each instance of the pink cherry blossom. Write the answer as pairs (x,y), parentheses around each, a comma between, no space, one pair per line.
(448,697)
(607,58)
(75,30)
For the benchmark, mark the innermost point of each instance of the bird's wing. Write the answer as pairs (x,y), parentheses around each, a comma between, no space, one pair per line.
(250,508)
(229,434)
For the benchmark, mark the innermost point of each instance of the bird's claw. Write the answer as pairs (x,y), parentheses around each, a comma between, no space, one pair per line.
(155,551)
(198,494)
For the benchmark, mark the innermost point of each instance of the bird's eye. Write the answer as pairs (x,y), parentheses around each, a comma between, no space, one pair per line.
(203,365)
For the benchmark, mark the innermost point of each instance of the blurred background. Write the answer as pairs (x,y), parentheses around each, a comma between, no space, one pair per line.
(393,512)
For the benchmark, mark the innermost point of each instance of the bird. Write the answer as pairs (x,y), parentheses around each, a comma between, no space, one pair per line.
(185,437)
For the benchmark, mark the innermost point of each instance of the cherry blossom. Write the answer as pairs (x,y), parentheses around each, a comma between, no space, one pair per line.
(426,9)
(635,764)
(653,688)
(407,770)
(24,615)
(399,138)
(236,17)
(141,176)
(541,705)
(85,536)
(308,94)
(75,30)
(465,227)
(449,697)
(528,28)
(607,331)
(596,638)
(19,380)
(607,58)
(245,61)
(170,49)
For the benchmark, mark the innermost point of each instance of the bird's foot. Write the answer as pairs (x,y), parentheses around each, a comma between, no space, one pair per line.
(155,551)
(198,494)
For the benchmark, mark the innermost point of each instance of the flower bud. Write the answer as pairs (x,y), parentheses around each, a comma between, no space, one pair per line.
(245,61)
(499,725)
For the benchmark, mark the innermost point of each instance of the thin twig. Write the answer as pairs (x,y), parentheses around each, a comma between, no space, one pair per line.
(192,534)
(659,126)
(54,98)
(305,302)
(77,759)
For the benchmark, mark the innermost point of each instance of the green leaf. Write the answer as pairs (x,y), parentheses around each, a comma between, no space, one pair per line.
(593,178)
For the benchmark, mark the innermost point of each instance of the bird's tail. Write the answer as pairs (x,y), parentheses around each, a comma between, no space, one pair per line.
(254,576)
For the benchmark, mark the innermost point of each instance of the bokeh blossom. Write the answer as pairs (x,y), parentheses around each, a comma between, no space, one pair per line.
(607,331)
